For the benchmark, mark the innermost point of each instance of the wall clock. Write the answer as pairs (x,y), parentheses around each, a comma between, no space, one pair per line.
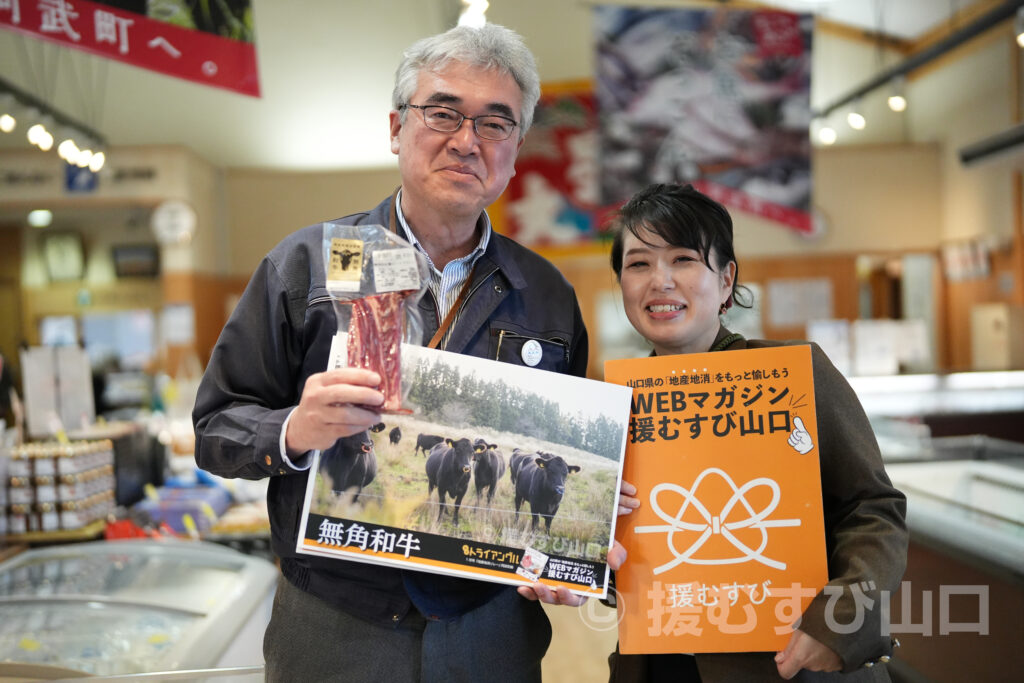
(173,222)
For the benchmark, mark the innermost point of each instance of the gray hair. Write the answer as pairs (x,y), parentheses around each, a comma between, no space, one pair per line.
(489,47)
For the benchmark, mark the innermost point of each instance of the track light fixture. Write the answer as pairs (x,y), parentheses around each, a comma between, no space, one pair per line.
(897,98)
(855,118)
(994,17)
(44,123)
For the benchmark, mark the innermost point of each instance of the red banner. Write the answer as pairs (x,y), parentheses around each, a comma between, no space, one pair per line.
(97,27)
(553,198)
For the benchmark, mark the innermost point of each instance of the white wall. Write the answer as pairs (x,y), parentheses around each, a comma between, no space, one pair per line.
(963,102)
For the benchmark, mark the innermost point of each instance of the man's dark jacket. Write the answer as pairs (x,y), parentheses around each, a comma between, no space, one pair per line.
(280,334)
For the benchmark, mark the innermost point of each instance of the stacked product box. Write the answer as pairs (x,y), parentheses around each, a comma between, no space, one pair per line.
(55,486)
(202,504)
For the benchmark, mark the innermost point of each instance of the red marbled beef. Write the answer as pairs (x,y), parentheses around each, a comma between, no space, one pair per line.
(375,341)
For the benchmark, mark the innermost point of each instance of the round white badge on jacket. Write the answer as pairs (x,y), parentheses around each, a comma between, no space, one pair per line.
(532,352)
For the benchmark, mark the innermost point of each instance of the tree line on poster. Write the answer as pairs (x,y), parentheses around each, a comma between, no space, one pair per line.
(444,394)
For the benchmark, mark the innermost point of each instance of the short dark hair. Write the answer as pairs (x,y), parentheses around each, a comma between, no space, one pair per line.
(683,217)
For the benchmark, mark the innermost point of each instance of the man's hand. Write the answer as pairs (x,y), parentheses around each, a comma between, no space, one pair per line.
(334,404)
(804,652)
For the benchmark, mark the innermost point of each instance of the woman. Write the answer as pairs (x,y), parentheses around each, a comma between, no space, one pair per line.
(673,256)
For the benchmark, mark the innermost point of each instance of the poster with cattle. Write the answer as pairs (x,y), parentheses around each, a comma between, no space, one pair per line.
(491,471)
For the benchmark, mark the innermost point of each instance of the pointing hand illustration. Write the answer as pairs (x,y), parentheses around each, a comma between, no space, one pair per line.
(800,440)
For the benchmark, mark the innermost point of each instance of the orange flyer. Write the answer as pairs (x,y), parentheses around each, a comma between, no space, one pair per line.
(728,545)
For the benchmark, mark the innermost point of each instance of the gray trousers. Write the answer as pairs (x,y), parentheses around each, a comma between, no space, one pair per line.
(308,640)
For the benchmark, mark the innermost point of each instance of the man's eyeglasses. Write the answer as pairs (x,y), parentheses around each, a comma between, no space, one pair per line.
(448,120)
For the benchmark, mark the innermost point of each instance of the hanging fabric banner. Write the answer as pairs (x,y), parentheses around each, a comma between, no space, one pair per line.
(212,43)
(553,199)
(719,98)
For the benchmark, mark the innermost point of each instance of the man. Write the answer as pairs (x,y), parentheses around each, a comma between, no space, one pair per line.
(463,101)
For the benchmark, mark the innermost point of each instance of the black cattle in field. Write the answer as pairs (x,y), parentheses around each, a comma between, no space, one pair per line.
(541,482)
(379,427)
(424,442)
(350,463)
(489,467)
(449,466)
(519,456)
(394,436)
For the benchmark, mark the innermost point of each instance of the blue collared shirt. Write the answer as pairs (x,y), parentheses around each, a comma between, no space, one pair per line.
(446,284)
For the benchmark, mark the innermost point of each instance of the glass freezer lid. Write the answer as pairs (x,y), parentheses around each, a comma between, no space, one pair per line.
(972,507)
(180,576)
(94,637)
(987,493)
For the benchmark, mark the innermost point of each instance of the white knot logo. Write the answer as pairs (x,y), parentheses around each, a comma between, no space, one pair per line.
(716,524)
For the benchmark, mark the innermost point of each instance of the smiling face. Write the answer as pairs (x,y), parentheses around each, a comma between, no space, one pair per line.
(671,296)
(456,174)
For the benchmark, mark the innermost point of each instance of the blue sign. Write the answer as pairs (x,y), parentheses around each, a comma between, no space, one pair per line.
(78,180)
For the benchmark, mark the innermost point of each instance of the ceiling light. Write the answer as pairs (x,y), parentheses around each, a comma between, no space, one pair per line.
(34,132)
(897,99)
(473,13)
(1018,26)
(67,150)
(45,141)
(40,137)
(897,102)
(827,135)
(855,118)
(97,161)
(40,218)
(7,123)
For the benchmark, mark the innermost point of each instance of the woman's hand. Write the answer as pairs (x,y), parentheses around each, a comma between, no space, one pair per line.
(804,652)
(616,556)
(551,596)
(627,501)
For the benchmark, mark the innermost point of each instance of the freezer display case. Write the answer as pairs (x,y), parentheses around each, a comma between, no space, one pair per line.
(969,507)
(136,606)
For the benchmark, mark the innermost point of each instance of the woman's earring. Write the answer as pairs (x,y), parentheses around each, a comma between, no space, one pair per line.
(722,309)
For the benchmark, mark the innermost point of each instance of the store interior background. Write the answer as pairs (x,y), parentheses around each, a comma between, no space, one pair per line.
(314,147)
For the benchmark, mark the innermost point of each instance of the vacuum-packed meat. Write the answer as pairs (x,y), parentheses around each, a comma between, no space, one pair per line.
(375,341)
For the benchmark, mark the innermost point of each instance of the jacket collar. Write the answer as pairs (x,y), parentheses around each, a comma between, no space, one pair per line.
(498,251)
(724,339)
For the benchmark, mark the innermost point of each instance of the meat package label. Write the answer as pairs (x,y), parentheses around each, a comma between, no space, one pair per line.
(491,463)
(345,269)
(395,270)
(338,357)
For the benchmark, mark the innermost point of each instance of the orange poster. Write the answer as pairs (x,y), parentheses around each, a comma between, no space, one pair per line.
(728,545)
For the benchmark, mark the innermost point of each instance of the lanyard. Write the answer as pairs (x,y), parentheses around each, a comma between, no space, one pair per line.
(435,341)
